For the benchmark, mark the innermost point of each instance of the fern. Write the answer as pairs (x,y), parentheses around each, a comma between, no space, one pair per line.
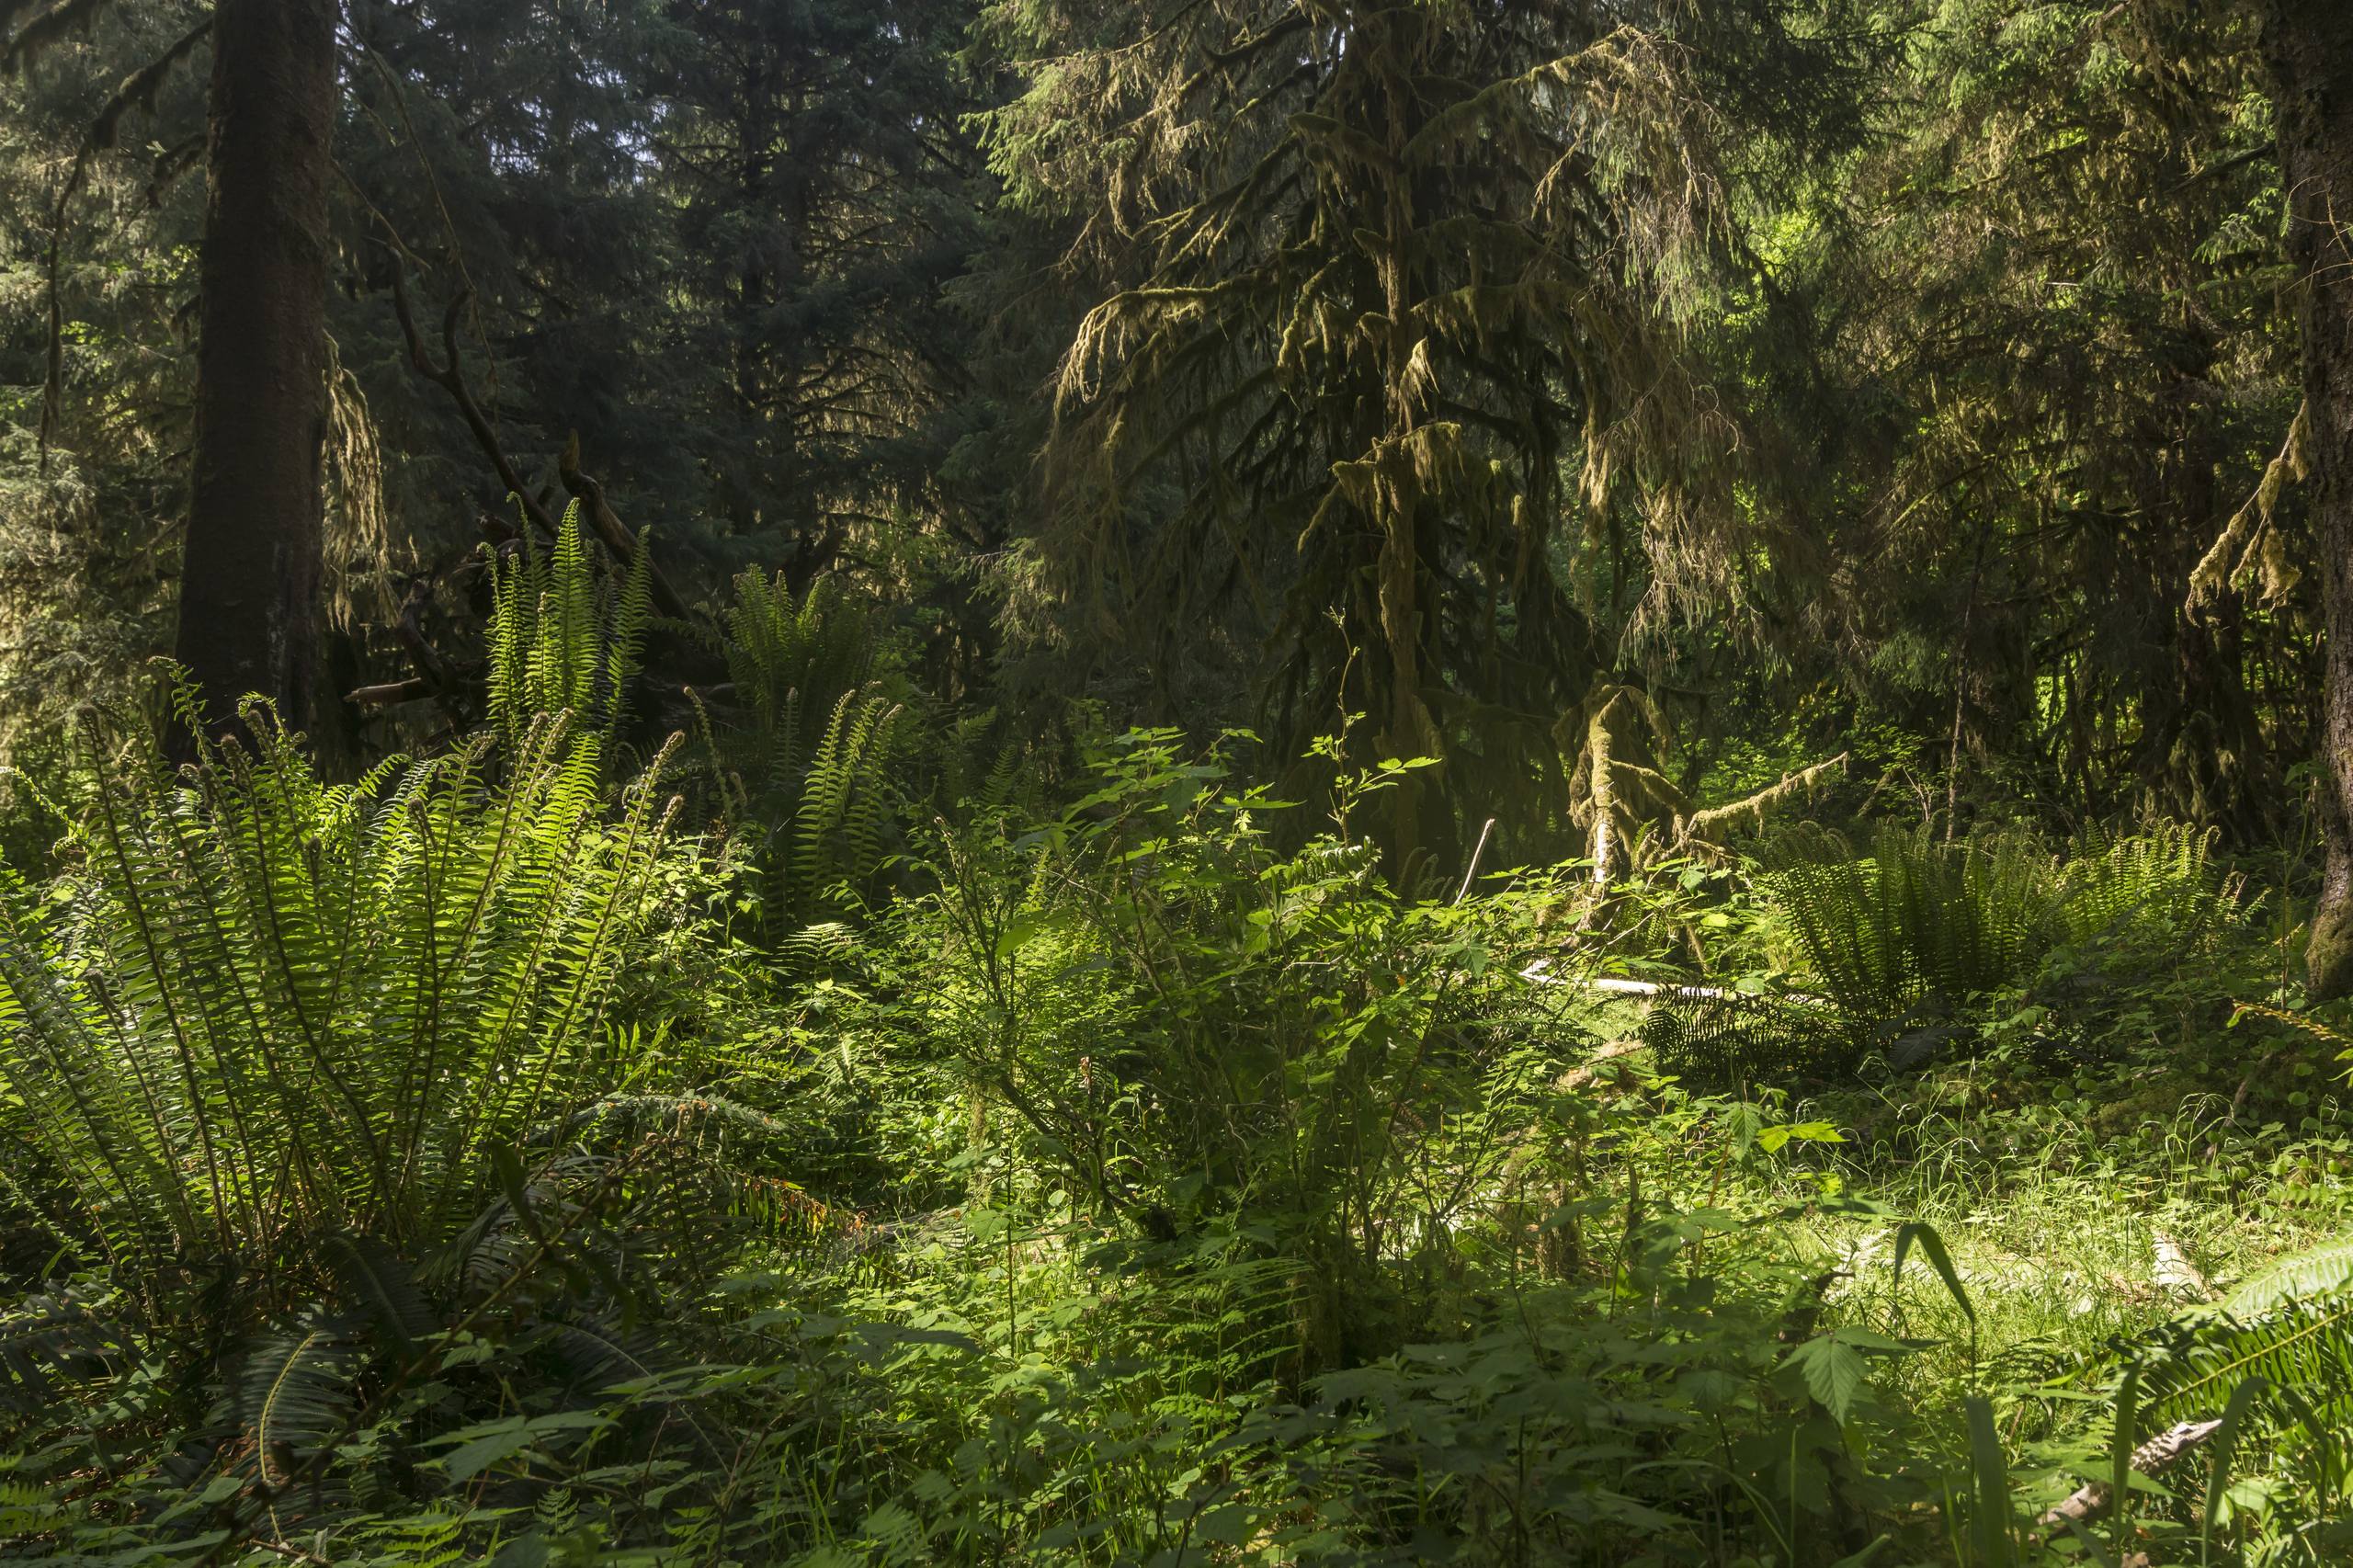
(803,757)
(1720,1041)
(380,1283)
(2318,1274)
(43,1337)
(277,1008)
(781,651)
(2158,887)
(294,1393)
(1918,920)
(563,638)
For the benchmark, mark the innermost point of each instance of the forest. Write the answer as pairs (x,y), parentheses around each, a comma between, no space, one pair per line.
(1168,783)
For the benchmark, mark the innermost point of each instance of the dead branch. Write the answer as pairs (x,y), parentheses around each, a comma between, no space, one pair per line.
(435,677)
(1471,872)
(612,530)
(1541,973)
(2091,1500)
(450,376)
(389,693)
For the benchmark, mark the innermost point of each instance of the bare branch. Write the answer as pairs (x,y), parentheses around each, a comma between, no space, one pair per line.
(450,376)
(612,530)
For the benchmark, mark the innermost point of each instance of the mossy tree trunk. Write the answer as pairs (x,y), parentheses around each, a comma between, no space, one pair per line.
(2308,46)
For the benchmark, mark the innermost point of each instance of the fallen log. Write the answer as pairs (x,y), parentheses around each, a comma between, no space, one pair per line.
(1541,973)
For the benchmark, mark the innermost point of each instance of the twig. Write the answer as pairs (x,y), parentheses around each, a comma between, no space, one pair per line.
(1471,871)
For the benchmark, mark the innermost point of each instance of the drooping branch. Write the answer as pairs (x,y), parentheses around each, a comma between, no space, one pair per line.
(2249,546)
(1703,826)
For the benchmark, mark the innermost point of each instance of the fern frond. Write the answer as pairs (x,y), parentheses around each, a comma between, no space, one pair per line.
(379,1282)
(280,1009)
(41,1339)
(2286,1335)
(565,636)
(293,1394)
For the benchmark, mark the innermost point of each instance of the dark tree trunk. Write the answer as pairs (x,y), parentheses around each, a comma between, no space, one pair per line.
(2308,46)
(251,608)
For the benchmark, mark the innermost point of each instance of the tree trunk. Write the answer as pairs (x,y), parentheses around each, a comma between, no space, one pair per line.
(251,609)
(2308,46)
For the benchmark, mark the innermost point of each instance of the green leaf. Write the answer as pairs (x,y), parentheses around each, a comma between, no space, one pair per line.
(1834,1370)
(2119,1457)
(2225,1441)
(1932,1247)
(1992,1520)
(480,1446)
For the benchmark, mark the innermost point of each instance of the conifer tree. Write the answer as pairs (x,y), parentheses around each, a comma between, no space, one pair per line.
(825,197)
(2054,360)
(1390,297)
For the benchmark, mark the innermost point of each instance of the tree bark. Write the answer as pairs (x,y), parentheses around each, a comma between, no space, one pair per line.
(250,606)
(2308,49)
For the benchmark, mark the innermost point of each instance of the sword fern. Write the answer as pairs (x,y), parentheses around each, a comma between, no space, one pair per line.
(273,1009)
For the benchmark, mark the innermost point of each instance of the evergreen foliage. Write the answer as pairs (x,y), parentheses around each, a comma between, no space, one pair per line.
(1402,296)
(2052,368)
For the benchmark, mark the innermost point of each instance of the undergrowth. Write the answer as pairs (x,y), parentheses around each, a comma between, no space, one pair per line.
(472,1164)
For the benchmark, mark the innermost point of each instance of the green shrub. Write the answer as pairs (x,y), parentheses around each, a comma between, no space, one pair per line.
(1192,1024)
(1886,952)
